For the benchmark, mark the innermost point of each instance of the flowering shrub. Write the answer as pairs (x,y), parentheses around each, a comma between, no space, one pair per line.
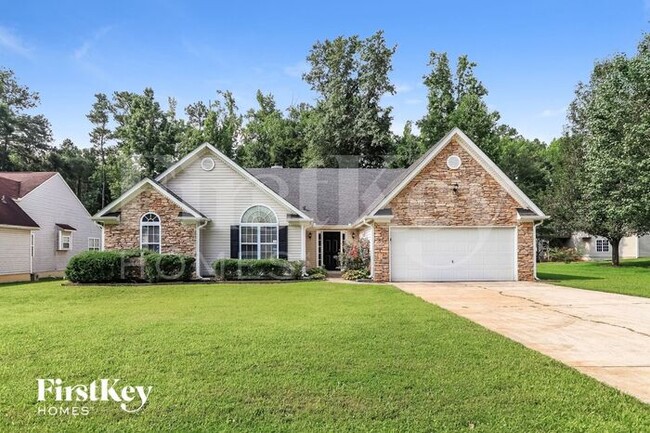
(356,255)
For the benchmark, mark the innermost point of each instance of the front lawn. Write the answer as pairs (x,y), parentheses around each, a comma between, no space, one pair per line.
(286,357)
(631,278)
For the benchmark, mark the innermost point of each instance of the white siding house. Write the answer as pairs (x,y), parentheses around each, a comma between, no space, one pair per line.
(14,254)
(223,195)
(49,204)
(42,225)
(598,248)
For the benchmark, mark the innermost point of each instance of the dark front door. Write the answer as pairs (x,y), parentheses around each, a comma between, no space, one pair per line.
(331,249)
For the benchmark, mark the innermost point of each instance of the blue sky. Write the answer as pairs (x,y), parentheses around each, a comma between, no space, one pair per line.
(530,54)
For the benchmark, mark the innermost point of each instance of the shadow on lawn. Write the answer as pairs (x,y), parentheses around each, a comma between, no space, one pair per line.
(565,277)
(641,263)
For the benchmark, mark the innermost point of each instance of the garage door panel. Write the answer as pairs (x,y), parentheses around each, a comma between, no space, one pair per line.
(452,254)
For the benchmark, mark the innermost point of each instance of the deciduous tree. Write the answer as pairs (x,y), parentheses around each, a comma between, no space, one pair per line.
(351,76)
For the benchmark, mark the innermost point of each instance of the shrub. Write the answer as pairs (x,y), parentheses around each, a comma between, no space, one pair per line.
(356,255)
(297,269)
(317,273)
(126,265)
(565,255)
(356,274)
(168,267)
(251,269)
(94,267)
(104,266)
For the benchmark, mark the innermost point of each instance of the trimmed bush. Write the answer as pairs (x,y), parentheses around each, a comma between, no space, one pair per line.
(317,273)
(128,265)
(103,266)
(168,267)
(94,267)
(251,269)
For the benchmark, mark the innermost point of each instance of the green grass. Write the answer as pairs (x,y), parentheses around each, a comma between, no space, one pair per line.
(631,278)
(286,357)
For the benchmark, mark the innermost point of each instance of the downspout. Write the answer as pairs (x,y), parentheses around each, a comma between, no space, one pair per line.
(372,247)
(32,250)
(198,249)
(535,249)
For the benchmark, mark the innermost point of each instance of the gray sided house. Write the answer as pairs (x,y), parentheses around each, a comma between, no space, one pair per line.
(453,215)
(42,225)
(593,247)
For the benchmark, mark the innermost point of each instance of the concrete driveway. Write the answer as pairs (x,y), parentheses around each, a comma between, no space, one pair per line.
(603,335)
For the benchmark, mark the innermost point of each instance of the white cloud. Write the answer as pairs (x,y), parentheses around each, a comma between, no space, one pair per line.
(82,51)
(403,88)
(12,42)
(550,112)
(297,70)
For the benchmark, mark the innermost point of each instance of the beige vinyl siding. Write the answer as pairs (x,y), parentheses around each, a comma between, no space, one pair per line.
(50,203)
(223,195)
(294,241)
(14,251)
(644,246)
(629,247)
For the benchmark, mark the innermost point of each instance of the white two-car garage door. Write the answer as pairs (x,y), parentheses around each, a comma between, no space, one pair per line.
(452,254)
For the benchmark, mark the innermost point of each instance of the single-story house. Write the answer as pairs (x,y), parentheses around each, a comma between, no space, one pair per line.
(453,215)
(594,247)
(42,225)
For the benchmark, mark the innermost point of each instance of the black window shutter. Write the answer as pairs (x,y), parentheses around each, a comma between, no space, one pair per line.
(234,242)
(283,242)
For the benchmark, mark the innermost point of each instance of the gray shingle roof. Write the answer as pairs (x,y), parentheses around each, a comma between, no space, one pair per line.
(331,196)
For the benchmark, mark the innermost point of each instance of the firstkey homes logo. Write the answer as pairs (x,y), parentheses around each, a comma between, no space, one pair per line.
(131,399)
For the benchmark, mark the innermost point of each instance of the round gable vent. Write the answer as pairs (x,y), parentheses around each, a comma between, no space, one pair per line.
(454,162)
(207,164)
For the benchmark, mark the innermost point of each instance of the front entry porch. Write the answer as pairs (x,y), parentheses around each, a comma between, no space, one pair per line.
(324,248)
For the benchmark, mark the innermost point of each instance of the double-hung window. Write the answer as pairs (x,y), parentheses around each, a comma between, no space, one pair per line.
(65,240)
(258,233)
(602,246)
(94,244)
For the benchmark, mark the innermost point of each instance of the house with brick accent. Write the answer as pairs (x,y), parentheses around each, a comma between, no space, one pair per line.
(453,215)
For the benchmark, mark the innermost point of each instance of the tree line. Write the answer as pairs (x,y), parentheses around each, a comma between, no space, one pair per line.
(581,178)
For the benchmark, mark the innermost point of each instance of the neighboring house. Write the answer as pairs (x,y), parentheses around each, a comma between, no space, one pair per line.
(453,215)
(598,248)
(42,225)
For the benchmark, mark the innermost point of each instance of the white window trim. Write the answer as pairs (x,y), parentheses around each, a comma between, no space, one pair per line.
(258,233)
(151,224)
(602,245)
(94,244)
(65,234)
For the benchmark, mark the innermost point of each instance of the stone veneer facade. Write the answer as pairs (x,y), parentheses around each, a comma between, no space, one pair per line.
(176,236)
(430,200)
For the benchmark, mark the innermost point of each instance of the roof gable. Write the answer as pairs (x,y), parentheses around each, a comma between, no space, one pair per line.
(476,153)
(133,192)
(25,182)
(192,156)
(13,215)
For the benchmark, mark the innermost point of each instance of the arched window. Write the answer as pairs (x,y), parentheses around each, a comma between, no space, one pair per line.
(150,238)
(258,234)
